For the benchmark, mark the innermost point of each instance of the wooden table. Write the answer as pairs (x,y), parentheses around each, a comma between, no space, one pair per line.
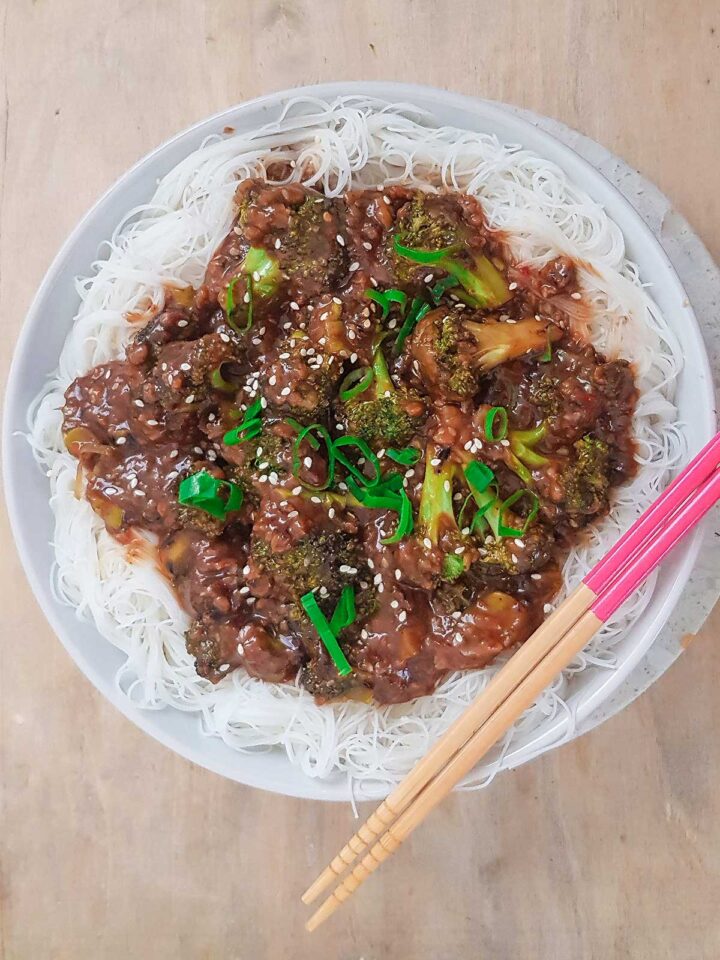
(114,848)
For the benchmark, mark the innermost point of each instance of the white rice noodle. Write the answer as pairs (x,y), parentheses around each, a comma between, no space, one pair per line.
(333,146)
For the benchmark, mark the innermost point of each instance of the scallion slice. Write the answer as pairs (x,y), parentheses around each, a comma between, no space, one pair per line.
(203,491)
(353,468)
(407,457)
(493,432)
(418,309)
(356,382)
(441,287)
(385,298)
(324,436)
(506,531)
(424,256)
(325,632)
(344,614)
(405,519)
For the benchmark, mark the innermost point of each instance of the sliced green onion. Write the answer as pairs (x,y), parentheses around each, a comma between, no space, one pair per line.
(372,499)
(203,491)
(424,256)
(317,618)
(384,299)
(306,432)
(405,519)
(407,457)
(506,531)
(229,299)
(441,287)
(478,475)
(344,615)
(491,433)
(357,381)
(418,309)
(352,468)
(246,430)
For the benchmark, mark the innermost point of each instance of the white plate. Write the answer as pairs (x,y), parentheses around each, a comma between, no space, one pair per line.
(40,343)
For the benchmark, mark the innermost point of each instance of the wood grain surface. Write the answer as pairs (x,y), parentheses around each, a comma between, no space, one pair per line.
(111,846)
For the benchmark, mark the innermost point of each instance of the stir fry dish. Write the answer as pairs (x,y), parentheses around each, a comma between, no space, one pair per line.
(364,445)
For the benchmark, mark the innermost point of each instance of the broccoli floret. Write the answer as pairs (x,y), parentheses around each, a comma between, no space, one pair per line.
(268,455)
(436,515)
(300,381)
(383,415)
(305,252)
(452,351)
(499,555)
(321,561)
(586,479)
(421,228)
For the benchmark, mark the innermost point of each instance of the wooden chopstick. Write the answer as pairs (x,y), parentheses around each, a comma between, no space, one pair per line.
(517,668)
(562,636)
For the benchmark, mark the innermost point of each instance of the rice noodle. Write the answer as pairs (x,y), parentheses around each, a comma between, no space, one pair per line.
(352,141)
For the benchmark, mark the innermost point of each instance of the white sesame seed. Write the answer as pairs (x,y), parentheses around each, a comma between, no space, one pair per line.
(307,461)
(409,473)
(459,550)
(512,286)
(294,305)
(394,604)
(456,615)
(185,367)
(513,558)
(190,399)
(121,440)
(224,667)
(331,513)
(505,443)
(244,590)
(402,617)
(377,578)
(576,296)
(353,357)
(429,278)
(519,543)
(256,276)
(427,542)
(535,576)
(547,608)
(173,454)
(152,423)
(246,570)
(436,461)
(446,486)
(293,514)
(182,323)
(285,391)
(368,246)
(240,649)
(340,239)
(138,403)
(315,499)
(398,574)
(337,300)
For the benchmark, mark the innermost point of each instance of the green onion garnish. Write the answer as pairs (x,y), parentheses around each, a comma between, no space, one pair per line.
(418,309)
(384,299)
(424,256)
(250,426)
(325,632)
(505,531)
(351,467)
(344,614)
(493,433)
(203,491)
(405,519)
(323,434)
(439,289)
(356,382)
(407,457)
(478,475)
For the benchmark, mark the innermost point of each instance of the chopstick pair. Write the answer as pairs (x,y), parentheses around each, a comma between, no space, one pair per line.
(514,688)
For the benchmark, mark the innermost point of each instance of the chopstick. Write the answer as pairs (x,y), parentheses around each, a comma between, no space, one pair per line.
(604,589)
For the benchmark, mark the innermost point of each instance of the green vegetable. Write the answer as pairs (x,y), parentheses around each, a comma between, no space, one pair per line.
(326,439)
(326,633)
(418,309)
(218,382)
(492,432)
(507,531)
(344,615)
(523,453)
(352,468)
(263,269)
(441,287)
(483,282)
(379,415)
(436,515)
(250,426)
(386,298)
(216,497)
(407,457)
(355,383)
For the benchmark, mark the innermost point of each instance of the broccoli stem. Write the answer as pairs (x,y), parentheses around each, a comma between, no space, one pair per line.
(264,269)
(436,498)
(382,382)
(523,454)
(485,284)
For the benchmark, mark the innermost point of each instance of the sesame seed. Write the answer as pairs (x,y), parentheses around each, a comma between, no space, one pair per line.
(377,578)
(308,461)
(576,296)
(225,338)
(185,367)
(547,608)
(456,615)
(519,543)
(436,461)
(331,513)
(224,667)
(121,440)
(152,423)
(138,403)
(285,391)
(513,558)
(429,278)
(398,574)
(240,649)
(190,399)
(353,357)
(246,297)
(457,639)
(296,491)
(512,286)
(182,323)
(402,616)
(293,305)
(409,473)
(446,486)
(465,531)
(340,239)
(427,542)
(173,454)
(315,500)
(244,590)
(505,443)
(386,199)
(535,576)
(293,514)
(459,550)
(272,380)
(394,604)
(368,246)
(337,300)
(256,276)
(246,570)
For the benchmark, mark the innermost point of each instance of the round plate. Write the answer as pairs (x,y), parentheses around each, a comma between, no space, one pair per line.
(39,346)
